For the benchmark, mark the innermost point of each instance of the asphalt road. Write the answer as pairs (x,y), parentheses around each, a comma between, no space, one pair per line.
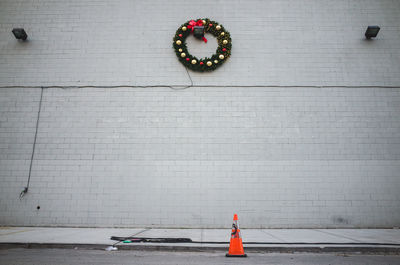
(70,256)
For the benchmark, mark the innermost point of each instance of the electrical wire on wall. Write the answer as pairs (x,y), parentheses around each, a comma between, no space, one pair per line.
(25,190)
(174,87)
(185,87)
(177,87)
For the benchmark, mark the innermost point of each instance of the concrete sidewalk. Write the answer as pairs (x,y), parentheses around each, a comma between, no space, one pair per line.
(325,240)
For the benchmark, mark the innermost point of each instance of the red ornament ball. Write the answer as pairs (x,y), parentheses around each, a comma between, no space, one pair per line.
(201,63)
(224,49)
(187,59)
(210,25)
(180,35)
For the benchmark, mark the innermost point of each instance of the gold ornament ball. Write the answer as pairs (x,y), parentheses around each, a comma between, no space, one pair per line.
(194,61)
(221,56)
(215,61)
(209,63)
(204,22)
(184,28)
(225,42)
(180,50)
(178,42)
(218,27)
(222,33)
(183,54)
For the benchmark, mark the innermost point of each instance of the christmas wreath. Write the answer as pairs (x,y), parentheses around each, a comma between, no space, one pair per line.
(198,28)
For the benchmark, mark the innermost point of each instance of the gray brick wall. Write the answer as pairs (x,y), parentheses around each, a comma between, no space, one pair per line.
(300,128)
(281,157)
(286,42)
(18,114)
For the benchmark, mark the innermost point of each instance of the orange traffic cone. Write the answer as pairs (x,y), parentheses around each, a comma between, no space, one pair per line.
(236,245)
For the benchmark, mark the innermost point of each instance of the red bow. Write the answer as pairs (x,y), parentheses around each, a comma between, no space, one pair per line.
(193,23)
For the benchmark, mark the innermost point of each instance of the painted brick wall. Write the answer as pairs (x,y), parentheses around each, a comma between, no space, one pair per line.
(283,42)
(18,116)
(309,137)
(293,157)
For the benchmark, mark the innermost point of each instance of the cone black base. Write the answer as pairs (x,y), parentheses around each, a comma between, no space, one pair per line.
(235,256)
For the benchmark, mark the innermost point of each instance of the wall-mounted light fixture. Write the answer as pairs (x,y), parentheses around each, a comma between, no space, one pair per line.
(372,32)
(198,32)
(20,33)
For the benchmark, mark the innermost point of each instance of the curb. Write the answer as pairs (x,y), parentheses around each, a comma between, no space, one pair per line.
(177,248)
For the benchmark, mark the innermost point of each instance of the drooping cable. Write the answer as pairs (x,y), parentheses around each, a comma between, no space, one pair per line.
(197,86)
(185,87)
(25,190)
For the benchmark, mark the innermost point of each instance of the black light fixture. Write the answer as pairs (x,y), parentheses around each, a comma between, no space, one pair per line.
(20,33)
(198,32)
(372,32)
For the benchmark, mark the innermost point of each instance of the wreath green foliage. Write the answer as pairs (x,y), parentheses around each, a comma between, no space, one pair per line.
(203,64)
